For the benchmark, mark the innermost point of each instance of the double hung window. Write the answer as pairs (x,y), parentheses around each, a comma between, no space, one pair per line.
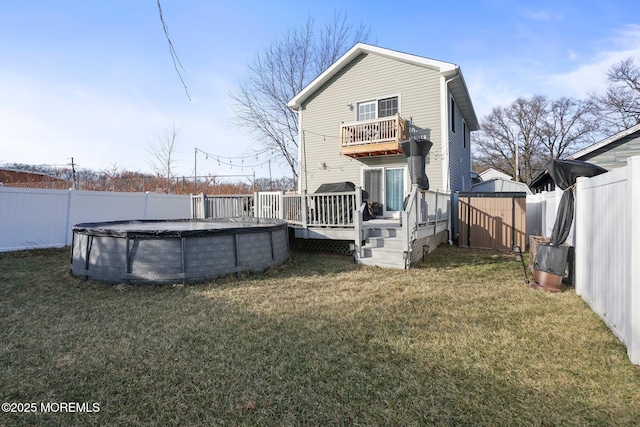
(378,108)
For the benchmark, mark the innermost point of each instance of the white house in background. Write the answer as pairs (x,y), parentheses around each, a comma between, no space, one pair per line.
(353,117)
(492,173)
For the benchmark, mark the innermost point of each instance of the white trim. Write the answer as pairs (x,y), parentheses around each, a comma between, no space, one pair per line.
(604,142)
(300,158)
(405,190)
(376,99)
(444,142)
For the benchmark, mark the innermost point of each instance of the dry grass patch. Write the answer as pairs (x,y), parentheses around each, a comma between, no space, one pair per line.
(318,341)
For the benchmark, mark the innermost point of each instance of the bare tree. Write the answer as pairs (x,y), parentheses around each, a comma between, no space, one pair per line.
(508,129)
(539,129)
(162,153)
(568,125)
(619,104)
(280,72)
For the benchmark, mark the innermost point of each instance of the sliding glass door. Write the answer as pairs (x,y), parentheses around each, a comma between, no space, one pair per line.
(394,190)
(386,187)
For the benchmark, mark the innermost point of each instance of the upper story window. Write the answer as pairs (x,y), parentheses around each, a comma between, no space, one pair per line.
(367,110)
(464,134)
(378,108)
(453,115)
(388,107)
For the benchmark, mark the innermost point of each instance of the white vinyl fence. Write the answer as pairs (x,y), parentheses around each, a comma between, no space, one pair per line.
(37,218)
(542,209)
(606,236)
(607,228)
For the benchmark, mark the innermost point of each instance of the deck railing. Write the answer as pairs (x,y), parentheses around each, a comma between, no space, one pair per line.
(318,209)
(384,135)
(426,213)
(222,206)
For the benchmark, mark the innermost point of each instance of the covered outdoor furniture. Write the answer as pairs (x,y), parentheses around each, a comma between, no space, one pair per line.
(551,258)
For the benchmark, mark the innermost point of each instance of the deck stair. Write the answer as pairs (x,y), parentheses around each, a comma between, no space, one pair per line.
(383,246)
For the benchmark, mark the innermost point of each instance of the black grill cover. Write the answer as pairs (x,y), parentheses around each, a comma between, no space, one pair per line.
(336,187)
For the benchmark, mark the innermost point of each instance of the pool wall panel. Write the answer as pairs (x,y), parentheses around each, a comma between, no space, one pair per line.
(158,257)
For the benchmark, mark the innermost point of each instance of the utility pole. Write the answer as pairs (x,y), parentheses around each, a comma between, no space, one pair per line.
(517,165)
(73,172)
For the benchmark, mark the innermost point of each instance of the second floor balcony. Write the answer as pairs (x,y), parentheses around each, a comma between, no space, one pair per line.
(376,137)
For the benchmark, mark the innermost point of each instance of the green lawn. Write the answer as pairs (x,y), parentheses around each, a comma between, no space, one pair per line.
(319,341)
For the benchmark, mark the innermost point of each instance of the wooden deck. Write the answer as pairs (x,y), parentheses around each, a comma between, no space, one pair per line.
(375,137)
(394,243)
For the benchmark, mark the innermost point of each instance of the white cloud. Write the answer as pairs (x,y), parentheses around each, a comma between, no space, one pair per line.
(591,76)
(500,82)
(542,15)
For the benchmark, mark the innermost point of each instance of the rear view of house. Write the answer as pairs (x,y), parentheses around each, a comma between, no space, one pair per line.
(367,123)
(353,117)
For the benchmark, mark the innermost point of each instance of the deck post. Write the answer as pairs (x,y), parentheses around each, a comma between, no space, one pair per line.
(357,222)
(305,209)
(405,230)
(203,206)
(281,205)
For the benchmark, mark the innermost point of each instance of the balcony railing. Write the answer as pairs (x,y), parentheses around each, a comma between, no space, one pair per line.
(373,137)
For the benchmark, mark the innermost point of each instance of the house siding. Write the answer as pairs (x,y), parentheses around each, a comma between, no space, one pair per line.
(459,155)
(367,77)
(615,155)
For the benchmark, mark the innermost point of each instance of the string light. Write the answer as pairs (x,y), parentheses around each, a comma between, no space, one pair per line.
(232,161)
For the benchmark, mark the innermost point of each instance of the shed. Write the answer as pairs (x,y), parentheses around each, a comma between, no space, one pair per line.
(492,220)
(498,185)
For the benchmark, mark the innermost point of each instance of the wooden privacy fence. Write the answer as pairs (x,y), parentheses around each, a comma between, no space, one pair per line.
(492,220)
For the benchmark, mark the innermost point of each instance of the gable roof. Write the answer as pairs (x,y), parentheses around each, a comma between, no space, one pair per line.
(492,173)
(500,185)
(448,70)
(610,140)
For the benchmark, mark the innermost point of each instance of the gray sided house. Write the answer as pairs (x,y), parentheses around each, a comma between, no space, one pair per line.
(613,152)
(609,153)
(353,117)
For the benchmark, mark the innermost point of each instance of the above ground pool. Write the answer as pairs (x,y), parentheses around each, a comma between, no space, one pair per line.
(177,251)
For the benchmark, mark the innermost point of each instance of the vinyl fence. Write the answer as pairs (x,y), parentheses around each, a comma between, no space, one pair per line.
(607,228)
(541,215)
(38,218)
(606,236)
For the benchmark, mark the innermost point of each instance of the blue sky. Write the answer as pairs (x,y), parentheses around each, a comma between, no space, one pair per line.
(94,80)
